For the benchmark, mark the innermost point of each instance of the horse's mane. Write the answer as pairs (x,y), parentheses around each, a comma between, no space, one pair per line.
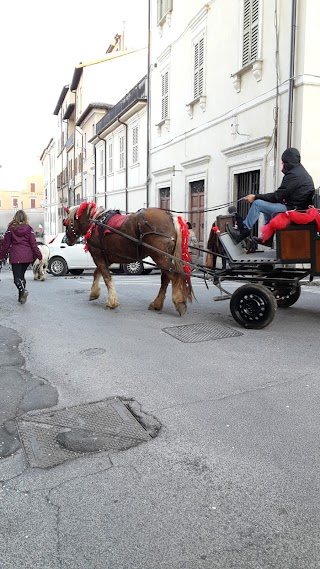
(90,208)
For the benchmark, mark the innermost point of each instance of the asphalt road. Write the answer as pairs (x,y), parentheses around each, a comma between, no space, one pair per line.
(232,479)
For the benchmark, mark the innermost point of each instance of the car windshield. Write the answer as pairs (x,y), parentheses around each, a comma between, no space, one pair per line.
(78,242)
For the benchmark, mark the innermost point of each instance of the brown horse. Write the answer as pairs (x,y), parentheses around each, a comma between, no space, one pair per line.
(164,232)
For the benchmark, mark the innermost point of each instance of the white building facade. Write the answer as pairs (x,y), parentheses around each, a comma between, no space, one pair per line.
(120,145)
(223,106)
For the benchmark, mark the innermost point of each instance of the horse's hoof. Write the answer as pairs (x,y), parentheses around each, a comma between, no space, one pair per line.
(93,296)
(153,307)
(182,308)
(111,306)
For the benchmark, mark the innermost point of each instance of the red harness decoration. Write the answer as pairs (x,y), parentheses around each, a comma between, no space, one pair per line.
(185,255)
(115,221)
(284,219)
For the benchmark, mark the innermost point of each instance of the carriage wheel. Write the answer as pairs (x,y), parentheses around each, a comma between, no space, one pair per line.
(286,296)
(253,306)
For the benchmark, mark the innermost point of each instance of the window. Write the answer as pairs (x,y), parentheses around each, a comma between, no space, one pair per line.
(84,187)
(198,81)
(84,146)
(110,154)
(250,31)
(135,144)
(101,161)
(14,202)
(32,188)
(165,95)
(121,152)
(164,6)
(33,203)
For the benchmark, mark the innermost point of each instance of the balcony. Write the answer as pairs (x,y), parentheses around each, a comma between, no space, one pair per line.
(70,142)
(137,93)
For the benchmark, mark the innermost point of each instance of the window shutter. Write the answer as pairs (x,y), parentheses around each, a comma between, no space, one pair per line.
(254,29)
(201,66)
(196,71)
(165,96)
(198,84)
(250,31)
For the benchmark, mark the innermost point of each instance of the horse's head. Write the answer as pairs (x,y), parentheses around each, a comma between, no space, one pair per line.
(78,220)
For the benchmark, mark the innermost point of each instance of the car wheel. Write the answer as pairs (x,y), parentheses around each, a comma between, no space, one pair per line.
(135,268)
(58,267)
(76,271)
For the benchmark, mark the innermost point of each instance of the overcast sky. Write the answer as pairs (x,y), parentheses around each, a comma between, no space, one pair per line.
(40,45)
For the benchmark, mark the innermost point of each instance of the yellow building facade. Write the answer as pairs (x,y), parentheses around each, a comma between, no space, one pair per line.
(30,199)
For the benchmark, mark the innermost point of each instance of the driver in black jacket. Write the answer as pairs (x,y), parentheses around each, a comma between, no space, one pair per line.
(295,192)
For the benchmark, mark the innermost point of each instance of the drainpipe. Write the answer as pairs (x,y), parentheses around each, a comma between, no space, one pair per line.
(148,104)
(291,71)
(95,174)
(126,158)
(105,170)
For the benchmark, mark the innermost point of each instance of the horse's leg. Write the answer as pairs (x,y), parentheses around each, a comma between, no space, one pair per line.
(178,296)
(157,304)
(95,287)
(102,270)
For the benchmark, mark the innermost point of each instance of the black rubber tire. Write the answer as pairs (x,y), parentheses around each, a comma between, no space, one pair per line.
(135,268)
(58,267)
(147,271)
(253,306)
(76,271)
(287,296)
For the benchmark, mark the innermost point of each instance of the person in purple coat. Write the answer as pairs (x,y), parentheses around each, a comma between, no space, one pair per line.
(21,243)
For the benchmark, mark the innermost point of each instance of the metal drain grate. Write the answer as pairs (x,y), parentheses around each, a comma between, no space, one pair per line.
(201,332)
(52,437)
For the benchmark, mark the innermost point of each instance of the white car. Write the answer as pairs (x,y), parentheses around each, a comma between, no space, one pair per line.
(74,259)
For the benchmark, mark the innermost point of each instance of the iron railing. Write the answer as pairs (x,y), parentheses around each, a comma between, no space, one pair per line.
(138,92)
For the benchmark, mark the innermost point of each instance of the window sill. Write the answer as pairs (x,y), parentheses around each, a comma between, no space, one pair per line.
(159,125)
(165,19)
(255,66)
(135,165)
(201,101)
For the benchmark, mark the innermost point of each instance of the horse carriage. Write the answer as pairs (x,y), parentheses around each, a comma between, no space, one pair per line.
(271,278)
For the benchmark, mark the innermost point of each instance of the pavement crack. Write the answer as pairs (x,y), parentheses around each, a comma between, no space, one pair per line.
(236,393)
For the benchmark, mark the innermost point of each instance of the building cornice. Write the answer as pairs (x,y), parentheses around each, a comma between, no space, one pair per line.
(199,18)
(249,146)
(200,161)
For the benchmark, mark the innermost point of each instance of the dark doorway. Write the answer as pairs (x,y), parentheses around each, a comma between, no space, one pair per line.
(164,198)
(248,183)
(196,217)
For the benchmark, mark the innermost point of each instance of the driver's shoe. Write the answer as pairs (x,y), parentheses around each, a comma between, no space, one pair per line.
(237,235)
(267,243)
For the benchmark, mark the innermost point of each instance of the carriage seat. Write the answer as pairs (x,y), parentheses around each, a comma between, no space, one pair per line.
(237,254)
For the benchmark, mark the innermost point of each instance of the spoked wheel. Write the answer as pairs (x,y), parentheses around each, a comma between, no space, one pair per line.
(134,268)
(253,306)
(286,295)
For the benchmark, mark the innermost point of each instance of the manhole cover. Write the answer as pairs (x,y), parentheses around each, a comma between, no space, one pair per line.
(201,332)
(52,437)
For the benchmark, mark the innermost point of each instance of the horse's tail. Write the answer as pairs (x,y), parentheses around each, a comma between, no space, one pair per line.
(181,254)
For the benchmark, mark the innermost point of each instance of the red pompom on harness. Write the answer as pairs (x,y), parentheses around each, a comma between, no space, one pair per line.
(185,255)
